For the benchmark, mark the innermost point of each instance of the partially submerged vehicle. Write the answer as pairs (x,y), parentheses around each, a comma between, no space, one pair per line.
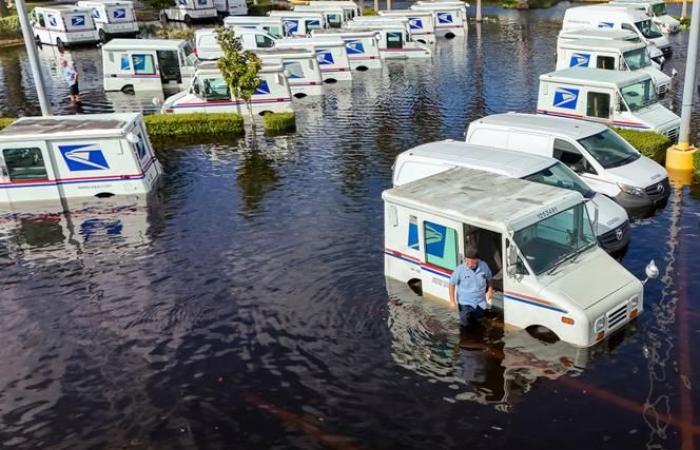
(112,17)
(231,7)
(331,54)
(656,9)
(60,157)
(362,46)
(395,41)
(607,34)
(538,238)
(420,23)
(301,67)
(612,227)
(209,93)
(621,99)
(350,8)
(63,26)
(131,65)
(300,24)
(450,17)
(611,55)
(190,11)
(608,163)
(334,14)
(274,26)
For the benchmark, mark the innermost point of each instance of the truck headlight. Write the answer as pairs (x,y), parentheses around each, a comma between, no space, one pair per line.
(634,302)
(632,190)
(599,324)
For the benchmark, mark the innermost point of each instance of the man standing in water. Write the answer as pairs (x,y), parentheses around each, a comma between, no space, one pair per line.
(472,283)
(72,79)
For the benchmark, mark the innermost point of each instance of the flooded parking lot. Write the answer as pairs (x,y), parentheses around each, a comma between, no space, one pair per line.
(244,305)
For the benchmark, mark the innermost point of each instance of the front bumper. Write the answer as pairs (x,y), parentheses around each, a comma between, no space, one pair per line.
(654,196)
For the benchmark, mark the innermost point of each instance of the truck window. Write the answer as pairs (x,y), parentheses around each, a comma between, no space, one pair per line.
(293,69)
(413,233)
(334,20)
(598,105)
(313,24)
(262,41)
(606,62)
(143,64)
(440,245)
(216,89)
(42,22)
(394,39)
(25,164)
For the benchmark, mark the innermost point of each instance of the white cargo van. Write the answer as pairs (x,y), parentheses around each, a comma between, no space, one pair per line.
(335,15)
(231,7)
(395,40)
(611,55)
(621,99)
(421,24)
(300,66)
(331,54)
(189,11)
(450,20)
(362,46)
(608,163)
(147,64)
(300,24)
(209,93)
(617,18)
(656,9)
(112,17)
(274,26)
(537,239)
(63,26)
(57,157)
(611,227)
(604,34)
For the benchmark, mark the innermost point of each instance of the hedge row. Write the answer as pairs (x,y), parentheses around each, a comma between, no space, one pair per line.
(10,28)
(649,144)
(369,11)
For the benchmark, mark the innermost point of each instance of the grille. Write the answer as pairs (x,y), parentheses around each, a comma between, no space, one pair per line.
(611,236)
(617,316)
(654,192)
(673,134)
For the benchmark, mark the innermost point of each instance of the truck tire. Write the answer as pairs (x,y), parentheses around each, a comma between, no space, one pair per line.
(60,44)
(164,17)
(102,35)
(188,20)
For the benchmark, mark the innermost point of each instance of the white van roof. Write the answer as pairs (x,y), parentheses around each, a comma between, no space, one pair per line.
(482,198)
(573,128)
(316,8)
(478,157)
(251,19)
(143,44)
(320,40)
(607,12)
(402,12)
(106,2)
(332,32)
(65,8)
(72,126)
(311,14)
(599,33)
(593,45)
(595,77)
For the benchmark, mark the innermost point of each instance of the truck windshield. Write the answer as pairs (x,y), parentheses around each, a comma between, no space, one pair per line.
(609,149)
(659,9)
(637,59)
(648,29)
(555,239)
(190,56)
(639,95)
(561,176)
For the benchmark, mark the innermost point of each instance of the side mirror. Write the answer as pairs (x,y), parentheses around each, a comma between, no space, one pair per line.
(652,272)
(511,260)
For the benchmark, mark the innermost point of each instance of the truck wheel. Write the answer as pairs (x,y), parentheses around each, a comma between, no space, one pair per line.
(59,43)
(163,18)
(37,40)
(450,35)
(188,20)
(102,35)
(128,89)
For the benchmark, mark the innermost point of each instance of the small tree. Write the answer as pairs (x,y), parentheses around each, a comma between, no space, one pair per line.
(159,4)
(239,68)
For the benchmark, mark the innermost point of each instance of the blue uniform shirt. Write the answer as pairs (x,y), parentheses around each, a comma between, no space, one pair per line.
(471,284)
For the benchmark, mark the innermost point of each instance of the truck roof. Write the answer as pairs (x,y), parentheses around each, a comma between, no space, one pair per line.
(500,161)
(605,8)
(278,13)
(290,52)
(403,12)
(320,40)
(79,125)
(212,68)
(602,44)
(599,33)
(106,2)
(595,77)
(359,32)
(573,128)
(482,198)
(65,8)
(143,44)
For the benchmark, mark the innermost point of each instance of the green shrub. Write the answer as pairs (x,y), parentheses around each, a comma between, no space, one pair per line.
(369,11)
(279,122)
(696,164)
(166,32)
(9,28)
(165,126)
(650,144)
(263,9)
(6,121)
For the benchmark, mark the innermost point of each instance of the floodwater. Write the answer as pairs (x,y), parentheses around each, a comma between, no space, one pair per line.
(244,304)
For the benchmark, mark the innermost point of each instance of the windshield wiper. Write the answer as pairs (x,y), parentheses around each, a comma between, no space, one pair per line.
(572,256)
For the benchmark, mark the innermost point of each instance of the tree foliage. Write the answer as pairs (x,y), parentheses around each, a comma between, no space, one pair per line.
(239,68)
(159,4)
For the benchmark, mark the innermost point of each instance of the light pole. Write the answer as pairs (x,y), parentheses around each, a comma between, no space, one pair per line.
(478,11)
(33,59)
(680,156)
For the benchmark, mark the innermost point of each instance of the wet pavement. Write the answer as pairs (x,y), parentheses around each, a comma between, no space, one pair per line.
(244,304)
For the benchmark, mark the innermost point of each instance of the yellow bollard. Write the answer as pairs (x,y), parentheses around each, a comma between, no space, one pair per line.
(680,178)
(680,157)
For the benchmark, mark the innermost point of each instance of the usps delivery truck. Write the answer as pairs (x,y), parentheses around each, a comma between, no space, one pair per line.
(231,7)
(395,41)
(656,9)
(331,54)
(112,17)
(420,23)
(189,11)
(538,239)
(49,158)
(362,46)
(301,67)
(63,26)
(450,19)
